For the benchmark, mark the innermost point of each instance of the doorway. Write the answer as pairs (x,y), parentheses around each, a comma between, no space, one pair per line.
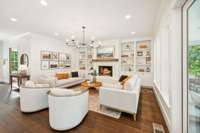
(191,67)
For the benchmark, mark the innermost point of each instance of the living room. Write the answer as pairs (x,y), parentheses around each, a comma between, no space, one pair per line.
(99,66)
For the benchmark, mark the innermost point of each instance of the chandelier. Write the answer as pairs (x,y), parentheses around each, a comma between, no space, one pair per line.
(77,44)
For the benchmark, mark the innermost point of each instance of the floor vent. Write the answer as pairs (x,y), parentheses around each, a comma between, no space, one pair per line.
(157,128)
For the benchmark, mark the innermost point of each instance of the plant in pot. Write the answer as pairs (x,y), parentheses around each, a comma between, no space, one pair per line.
(93,73)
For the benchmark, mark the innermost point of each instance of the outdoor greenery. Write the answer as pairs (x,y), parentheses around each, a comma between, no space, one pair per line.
(14,61)
(194,60)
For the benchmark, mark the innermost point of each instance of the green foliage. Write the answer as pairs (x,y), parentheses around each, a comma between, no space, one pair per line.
(194,60)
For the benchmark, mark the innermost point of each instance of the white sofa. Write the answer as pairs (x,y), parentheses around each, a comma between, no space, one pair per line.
(109,82)
(66,108)
(125,99)
(34,97)
(54,82)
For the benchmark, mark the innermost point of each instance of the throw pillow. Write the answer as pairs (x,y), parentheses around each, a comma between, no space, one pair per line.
(122,77)
(74,74)
(61,76)
(124,82)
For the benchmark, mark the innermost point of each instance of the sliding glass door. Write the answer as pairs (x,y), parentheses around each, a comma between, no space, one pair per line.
(192,66)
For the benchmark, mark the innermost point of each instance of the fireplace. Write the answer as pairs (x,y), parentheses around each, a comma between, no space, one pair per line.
(105,71)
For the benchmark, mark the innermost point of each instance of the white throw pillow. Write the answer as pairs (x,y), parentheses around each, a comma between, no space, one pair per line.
(29,84)
(130,84)
(47,80)
(42,85)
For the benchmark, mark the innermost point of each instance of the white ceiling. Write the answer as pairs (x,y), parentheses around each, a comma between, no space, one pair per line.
(104,19)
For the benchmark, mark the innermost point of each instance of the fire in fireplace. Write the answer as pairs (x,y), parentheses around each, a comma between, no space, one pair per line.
(105,71)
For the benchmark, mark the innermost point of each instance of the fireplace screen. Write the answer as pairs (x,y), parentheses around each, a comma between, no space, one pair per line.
(105,71)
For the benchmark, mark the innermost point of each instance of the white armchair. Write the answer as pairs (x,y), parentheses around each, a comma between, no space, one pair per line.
(67,108)
(126,99)
(34,97)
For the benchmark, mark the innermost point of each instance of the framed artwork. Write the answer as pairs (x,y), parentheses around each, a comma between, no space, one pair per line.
(54,60)
(54,56)
(62,56)
(45,55)
(53,64)
(105,52)
(44,65)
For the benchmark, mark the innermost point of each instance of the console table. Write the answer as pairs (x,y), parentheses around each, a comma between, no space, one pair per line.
(19,78)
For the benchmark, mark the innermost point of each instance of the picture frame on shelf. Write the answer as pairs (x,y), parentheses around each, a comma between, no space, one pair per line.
(139,53)
(141,61)
(148,60)
(143,45)
(44,65)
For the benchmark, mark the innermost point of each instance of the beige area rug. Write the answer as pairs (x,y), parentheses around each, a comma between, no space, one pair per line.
(94,105)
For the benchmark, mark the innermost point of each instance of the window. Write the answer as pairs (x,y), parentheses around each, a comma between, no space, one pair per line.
(13,60)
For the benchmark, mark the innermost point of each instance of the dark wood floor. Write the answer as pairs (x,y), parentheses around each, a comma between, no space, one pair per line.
(13,121)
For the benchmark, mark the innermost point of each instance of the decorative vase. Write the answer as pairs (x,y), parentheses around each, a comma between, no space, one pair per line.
(94,79)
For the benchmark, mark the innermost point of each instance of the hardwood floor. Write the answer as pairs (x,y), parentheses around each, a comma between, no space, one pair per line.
(13,121)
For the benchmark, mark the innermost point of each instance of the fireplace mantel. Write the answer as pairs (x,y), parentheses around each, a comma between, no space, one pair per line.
(105,59)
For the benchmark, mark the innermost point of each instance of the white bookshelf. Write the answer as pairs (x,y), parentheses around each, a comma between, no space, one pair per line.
(136,57)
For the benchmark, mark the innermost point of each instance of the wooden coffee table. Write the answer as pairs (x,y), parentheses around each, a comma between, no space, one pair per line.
(95,85)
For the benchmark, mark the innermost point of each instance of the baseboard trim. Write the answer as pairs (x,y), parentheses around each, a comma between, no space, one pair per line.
(164,113)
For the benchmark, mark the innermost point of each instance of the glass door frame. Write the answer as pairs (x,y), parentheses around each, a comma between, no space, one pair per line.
(185,9)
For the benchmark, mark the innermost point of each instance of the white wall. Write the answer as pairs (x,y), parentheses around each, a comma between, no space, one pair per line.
(1,60)
(21,43)
(41,42)
(167,67)
(32,44)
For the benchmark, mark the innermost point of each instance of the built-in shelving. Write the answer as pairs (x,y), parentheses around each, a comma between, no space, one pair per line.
(136,56)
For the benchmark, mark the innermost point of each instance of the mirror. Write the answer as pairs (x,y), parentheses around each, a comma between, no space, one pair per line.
(24,59)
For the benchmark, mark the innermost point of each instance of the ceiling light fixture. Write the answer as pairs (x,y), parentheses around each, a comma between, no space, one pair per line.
(56,34)
(80,44)
(128,16)
(13,19)
(133,33)
(43,3)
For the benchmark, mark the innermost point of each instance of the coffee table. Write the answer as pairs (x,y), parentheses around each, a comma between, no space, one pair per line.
(88,85)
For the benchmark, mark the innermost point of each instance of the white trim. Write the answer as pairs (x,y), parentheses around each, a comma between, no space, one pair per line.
(184,60)
(162,106)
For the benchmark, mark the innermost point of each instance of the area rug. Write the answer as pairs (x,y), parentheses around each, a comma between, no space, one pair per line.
(95,106)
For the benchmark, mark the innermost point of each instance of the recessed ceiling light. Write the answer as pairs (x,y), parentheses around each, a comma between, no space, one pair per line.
(67,40)
(56,34)
(127,16)
(13,19)
(133,33)
(72,37)
(43,2)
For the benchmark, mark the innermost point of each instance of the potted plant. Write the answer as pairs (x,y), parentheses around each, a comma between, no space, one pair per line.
(93,73)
